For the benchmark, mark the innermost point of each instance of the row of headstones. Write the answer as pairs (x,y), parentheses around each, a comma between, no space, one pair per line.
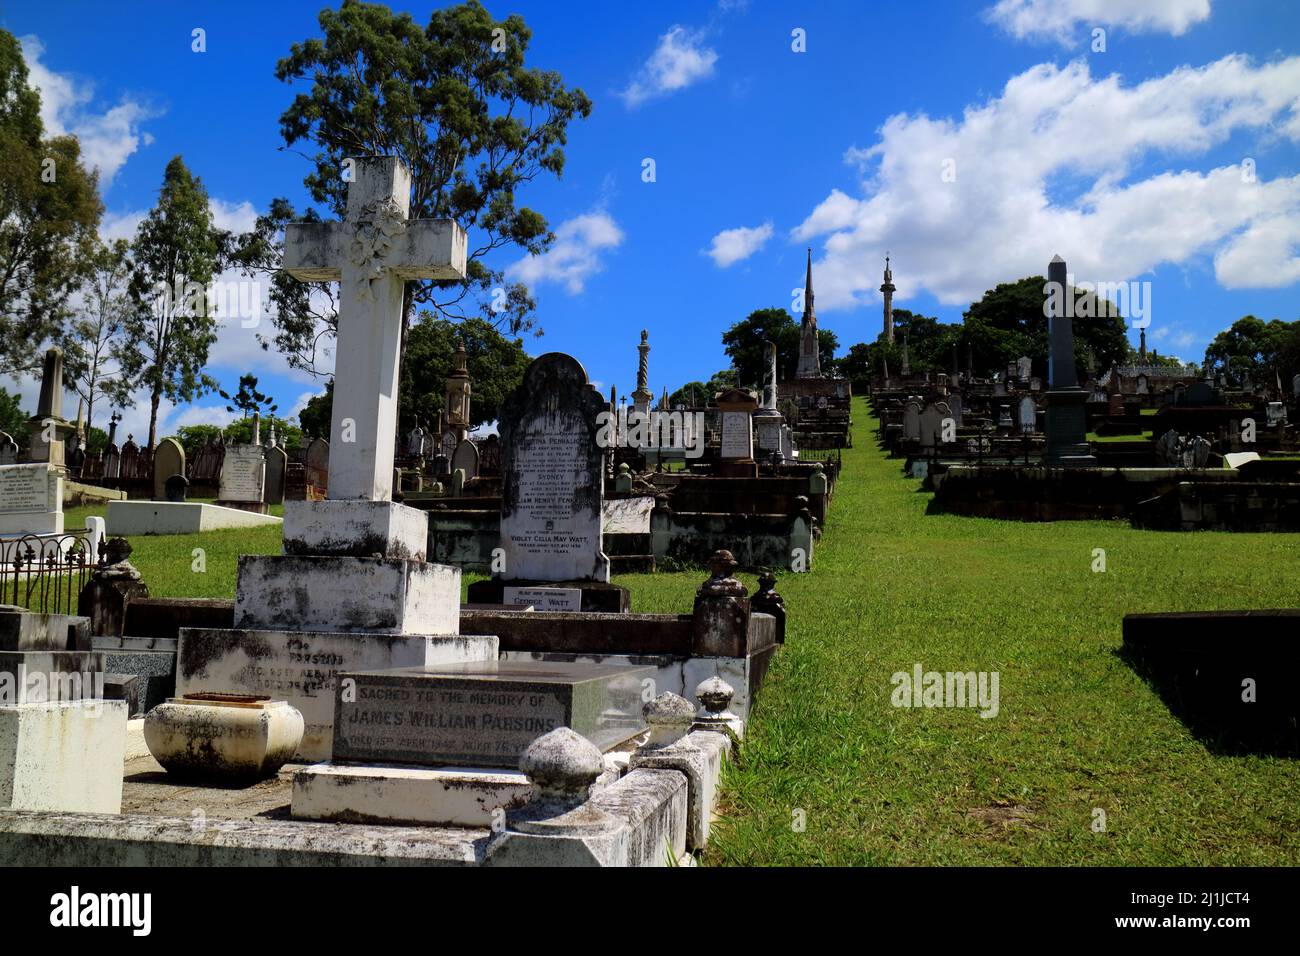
(923,424)
(451,453)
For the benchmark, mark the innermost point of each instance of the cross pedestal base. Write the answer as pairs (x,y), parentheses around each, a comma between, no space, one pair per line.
(356,528)
(382,595)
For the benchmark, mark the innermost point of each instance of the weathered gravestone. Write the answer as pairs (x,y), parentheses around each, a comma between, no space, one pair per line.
(736,445)
(553,487)
(489,457)
(955,403)
(31,499)
(8,449)
(465,459)
(352,590)
(441,746)
(932,423)
(316,467)
(1027,416)
(277,461)
(484,714)
(912,420)
(415,442)
(1169,448)
(168,460)
(443,453)
(243,478)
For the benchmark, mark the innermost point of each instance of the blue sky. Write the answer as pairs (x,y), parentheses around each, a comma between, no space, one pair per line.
(1128,161)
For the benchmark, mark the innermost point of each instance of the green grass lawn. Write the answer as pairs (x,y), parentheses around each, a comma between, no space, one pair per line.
(171,566)
(1077,728)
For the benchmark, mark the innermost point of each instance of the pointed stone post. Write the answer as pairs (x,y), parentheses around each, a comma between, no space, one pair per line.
(1067,423)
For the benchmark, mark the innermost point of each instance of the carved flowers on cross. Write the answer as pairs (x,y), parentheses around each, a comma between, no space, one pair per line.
(374,231)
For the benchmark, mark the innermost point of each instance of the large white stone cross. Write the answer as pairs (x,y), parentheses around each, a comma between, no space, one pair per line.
(372,254)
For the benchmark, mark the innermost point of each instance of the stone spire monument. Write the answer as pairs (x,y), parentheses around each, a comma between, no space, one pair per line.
(887,291)
(642,396)
(810,365)
(458,392)
(1067,430)
(768,420)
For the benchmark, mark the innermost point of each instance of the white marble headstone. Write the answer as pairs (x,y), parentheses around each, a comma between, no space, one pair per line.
(243,474)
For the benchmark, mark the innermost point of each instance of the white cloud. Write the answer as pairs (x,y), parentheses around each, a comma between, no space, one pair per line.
(680,59)
(1174,335)
(235,217)
(575,255)
(121,225)
(1006,214)
(732,245)
(1058,19)
(199,415)
(107,137)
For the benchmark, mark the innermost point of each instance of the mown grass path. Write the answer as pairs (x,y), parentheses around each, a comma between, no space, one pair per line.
(1077,729)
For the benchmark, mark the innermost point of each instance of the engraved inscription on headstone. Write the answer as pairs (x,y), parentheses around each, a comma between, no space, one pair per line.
(553,475)
(483,714)
(545,599)
(736,441)
(243,473)
(26,488)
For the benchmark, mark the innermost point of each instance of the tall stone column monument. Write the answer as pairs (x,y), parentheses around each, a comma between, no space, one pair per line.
(352,590)
(1067,421)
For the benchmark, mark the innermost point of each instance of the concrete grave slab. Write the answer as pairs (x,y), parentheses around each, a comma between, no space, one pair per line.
(129,518)
(484,714)
(407,794)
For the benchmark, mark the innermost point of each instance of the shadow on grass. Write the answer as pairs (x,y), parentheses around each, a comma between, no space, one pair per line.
(1209,704)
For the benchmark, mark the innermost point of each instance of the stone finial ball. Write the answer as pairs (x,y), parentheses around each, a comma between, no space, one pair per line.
(668,708)
(714,694)
(562,760)
(118,549)
(722,563)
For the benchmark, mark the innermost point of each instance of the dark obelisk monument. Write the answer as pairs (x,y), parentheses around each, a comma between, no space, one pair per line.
(1067,421)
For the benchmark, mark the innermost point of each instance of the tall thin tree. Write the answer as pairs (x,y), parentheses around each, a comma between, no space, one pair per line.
(95,359)
(177,252)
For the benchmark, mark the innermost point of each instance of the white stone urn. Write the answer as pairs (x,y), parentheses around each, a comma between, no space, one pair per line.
(223,738)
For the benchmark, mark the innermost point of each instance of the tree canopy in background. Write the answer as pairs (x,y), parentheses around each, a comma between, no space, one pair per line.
(1007,322)
(248,400)
(745,344)
(13,420)
(177,251)
(701,393)
(1264,350)
(49,214)
(496,365)
(456,102)
(95,360)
